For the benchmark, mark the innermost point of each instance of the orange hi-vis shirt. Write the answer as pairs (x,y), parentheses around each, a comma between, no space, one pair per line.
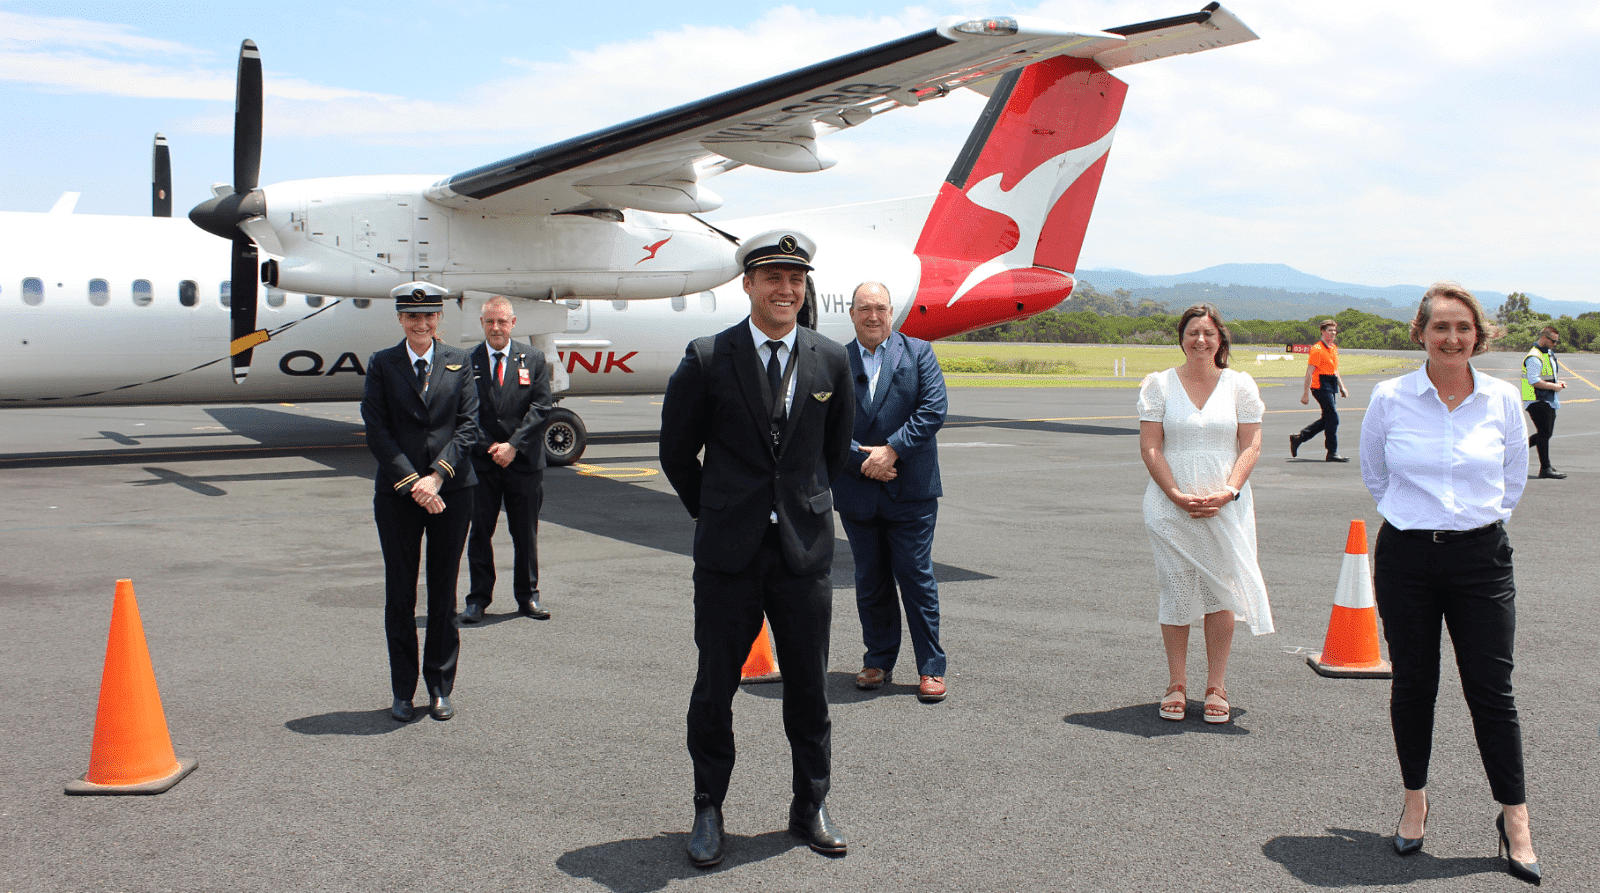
(1325,360)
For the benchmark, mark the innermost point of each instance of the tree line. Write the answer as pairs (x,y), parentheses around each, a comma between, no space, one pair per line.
(1092,317)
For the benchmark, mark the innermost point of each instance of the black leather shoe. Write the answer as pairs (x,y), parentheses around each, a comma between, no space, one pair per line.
(1522,871)
(472,613)
(706,838)
(1294,445)
(439,708)
(1335,457)
(530,608)
(402,711)
(812,825)
(1550,472)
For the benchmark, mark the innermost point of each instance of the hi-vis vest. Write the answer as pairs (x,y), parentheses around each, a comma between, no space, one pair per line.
(1547,369)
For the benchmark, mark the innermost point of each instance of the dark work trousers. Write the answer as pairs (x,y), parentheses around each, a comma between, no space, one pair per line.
(727,618)
(1544,424)
(402,525)
(1328,424)
(1468,584)
(900,551)
(523,496)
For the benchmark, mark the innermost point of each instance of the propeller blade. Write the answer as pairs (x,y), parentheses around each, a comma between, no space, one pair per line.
(247,120)
(160,179)
(242,307)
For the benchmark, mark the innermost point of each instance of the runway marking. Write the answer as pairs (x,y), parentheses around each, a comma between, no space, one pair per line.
(1121,418)
(1580,378)
(599,471)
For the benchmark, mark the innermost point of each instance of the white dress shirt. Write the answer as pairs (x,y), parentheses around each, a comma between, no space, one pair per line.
(783,357)
(1433,469)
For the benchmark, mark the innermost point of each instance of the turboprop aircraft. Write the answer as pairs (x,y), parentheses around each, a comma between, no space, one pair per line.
(595,239)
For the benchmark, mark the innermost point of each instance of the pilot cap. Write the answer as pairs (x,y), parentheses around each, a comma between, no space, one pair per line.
(780,246)
(418,297)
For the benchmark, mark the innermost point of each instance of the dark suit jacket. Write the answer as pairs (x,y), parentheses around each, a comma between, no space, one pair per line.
(906,411)
(518,413)
(716,401)
(413,433)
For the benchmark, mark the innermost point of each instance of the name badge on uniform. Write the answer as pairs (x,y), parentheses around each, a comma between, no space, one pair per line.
(523,377)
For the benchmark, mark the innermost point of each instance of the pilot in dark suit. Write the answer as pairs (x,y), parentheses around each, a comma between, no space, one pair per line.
(774,423)
(513,408)
(888,496)
(421,413)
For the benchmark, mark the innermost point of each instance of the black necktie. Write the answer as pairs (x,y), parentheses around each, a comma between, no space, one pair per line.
(422,370)
(775,375)
(499,368)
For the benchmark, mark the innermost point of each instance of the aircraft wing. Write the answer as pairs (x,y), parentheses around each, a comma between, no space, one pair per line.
(658,163)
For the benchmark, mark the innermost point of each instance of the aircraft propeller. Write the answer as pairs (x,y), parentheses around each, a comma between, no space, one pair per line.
(160,179)
(227,213)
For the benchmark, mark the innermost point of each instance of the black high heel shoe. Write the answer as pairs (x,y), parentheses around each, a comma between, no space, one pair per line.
(1522,871)
(1410,846)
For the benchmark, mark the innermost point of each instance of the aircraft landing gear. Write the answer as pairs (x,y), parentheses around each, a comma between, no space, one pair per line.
(564,438)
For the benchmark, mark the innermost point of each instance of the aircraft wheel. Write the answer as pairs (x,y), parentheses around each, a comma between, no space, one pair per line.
(564,438)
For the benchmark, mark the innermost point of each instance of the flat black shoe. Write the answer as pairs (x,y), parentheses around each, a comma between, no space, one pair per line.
(402,711)
(707,837)
(812,825)
(439,708)
(1335,457)
(1552,473)
(1294,445)
(530,608)
(1522,871)
(472,613)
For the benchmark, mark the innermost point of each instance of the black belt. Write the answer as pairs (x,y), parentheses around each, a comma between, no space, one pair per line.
(1449,536)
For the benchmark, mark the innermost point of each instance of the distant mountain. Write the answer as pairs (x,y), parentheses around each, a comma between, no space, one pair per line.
(1279,291)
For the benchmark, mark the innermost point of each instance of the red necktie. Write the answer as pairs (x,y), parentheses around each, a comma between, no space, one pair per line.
(499,369)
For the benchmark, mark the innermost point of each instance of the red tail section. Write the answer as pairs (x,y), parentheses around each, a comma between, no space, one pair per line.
(1003,237)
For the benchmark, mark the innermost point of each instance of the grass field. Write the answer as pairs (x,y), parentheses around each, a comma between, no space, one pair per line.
(1013,365)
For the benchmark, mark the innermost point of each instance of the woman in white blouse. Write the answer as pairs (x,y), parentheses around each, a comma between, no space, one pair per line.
(1444,451)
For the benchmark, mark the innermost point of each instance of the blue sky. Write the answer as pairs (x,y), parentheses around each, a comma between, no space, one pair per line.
(1371,142)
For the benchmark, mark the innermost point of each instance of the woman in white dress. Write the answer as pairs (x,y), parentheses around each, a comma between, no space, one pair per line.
(1200,436)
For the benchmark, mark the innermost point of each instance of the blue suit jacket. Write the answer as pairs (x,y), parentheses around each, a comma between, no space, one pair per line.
(906,411)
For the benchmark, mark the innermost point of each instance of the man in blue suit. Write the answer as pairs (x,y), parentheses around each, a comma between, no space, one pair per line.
(888,495)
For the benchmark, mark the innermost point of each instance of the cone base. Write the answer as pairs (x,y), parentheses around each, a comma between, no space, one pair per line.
(764,677)
(1382,670)
(83,786)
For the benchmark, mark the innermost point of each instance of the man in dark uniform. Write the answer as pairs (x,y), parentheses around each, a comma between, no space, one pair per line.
(513,407)
(771,404)
(421,413)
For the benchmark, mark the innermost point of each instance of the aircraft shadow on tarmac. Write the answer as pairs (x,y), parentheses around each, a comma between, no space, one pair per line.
(1142,720)
(967,421)
(643,865)
(1346,858)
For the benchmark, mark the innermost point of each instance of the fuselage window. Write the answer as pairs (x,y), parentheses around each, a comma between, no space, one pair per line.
(619,305)
(362,303)
(99,292)
(678,303)
(313,300)
(33,291)
(274,298)
(708,301)
(225,293)
(188,293)
(142,293)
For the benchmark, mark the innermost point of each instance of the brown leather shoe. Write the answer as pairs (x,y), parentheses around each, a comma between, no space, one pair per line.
(871,678)
(932,689)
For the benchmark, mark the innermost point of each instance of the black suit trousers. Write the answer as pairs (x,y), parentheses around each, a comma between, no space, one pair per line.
(402,525)
(1468,585)
(1328,423)
(522,495)
(728,609)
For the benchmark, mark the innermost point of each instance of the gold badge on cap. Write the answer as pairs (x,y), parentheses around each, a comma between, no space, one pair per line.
(788,244)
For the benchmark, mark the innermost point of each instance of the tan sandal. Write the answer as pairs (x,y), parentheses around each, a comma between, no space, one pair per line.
(1217,713)
(1173,709)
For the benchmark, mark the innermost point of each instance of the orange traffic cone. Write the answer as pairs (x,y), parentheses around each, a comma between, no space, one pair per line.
(132,752)
(1351,648)
(762,664)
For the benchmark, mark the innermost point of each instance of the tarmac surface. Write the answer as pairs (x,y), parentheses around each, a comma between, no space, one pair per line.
(247,532)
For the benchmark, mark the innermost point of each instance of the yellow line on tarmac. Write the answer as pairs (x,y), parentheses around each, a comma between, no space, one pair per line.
(599,471)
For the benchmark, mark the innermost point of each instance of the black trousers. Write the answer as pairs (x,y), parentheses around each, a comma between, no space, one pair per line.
(522,495)
(1328,424)
(402,525)
(727,618)
(1467,584)
(1544,424)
